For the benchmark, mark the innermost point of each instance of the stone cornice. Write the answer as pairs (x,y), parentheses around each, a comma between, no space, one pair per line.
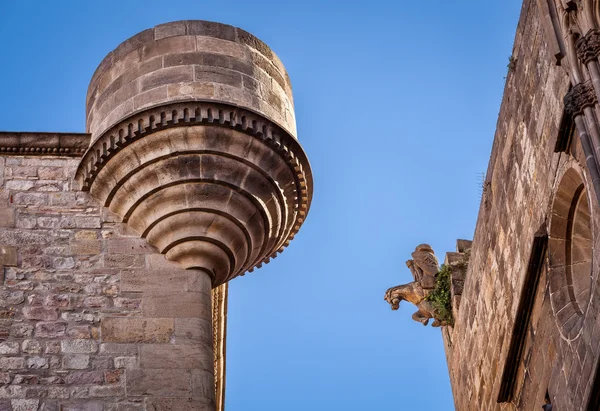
(43,144)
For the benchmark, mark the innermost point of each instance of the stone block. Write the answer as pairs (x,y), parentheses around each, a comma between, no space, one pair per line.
(188,90)
(40,313)
(8,298)
(126,362)
(9,347)
(211,29)
(160,280)
(148,330)
(113,376)
(167,45)
(32,347)
(105,391)
(36,362)
(85,247)
(192,330)
(79,346)
(125,260)
(76,361)
(169,30)
(207,74)
(168,75)
(7,217)
(178,404)
(219,46)
(115,348)
(176,305)
(158,382)
(88,222)
(175,356)
(12,363)
(25,405)
(84,406)
(150,97)
(463,245)
(8,256)
(129,246)
(50,329)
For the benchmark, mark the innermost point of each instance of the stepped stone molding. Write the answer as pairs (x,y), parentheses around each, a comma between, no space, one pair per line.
(184,135)
(30,143)
(194,146)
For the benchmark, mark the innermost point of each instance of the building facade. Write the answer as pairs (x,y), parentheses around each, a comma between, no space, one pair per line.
(117,244)
(527,328)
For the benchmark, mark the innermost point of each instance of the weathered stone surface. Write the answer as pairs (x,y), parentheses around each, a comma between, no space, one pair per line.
(76,361)
(176,404)
(159,382)
(175,356)
(149,330)
(176,305)
(7,217)
(79,346)
(524,194)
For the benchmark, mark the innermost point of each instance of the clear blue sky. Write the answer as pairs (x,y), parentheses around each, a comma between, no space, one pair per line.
(396,104)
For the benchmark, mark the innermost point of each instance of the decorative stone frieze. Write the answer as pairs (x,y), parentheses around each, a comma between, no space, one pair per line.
(588,46)
(29,143)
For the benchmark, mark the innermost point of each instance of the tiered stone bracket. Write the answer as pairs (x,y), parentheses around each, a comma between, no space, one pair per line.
(458,262)
(194,146)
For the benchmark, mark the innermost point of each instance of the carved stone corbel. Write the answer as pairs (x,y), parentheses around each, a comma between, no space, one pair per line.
(588,46)
(581,96)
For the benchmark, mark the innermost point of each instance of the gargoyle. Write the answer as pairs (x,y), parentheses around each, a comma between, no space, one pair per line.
(424,268)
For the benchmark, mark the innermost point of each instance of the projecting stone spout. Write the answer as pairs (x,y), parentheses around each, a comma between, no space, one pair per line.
(194,146)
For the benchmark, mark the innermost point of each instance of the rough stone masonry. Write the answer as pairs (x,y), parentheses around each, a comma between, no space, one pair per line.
(527,332)
(116,245)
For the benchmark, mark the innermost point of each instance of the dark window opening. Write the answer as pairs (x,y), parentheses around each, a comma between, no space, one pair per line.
(526,303)
(565,133)
(547,403)
(594,401)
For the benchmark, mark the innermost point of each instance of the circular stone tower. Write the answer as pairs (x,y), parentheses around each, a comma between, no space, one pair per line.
(194,147)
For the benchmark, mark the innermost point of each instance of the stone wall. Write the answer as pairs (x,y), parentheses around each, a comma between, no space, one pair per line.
(521,194)
(91,316)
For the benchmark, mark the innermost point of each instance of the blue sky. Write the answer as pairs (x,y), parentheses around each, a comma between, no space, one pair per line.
(396,103)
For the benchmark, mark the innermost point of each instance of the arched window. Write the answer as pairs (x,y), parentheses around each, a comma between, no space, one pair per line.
(570,253)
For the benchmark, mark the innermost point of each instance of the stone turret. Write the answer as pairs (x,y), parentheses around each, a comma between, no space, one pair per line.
(193,146)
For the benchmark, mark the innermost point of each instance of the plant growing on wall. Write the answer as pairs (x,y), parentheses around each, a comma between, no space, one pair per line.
(440,297)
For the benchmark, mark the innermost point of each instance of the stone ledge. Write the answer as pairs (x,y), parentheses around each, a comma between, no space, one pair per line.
(458,262)
(43,144)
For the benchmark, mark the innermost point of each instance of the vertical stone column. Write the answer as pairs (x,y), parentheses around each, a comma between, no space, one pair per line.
(172,338)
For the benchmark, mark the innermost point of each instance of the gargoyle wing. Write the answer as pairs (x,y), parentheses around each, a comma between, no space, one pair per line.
(416,273)
(426,261)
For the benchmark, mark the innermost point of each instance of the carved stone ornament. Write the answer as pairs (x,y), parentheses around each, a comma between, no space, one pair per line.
(581,96)
(588,46)
(424,267)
